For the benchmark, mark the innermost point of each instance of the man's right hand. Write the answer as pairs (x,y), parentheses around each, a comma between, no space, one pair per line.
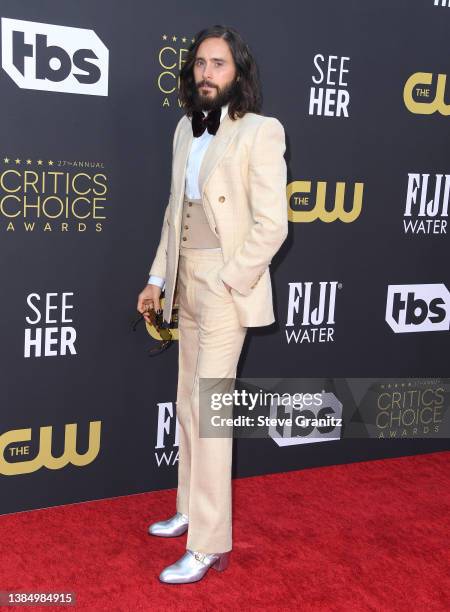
(149,297)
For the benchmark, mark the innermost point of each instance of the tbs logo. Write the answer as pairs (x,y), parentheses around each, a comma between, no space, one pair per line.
(54,58)
(418,308)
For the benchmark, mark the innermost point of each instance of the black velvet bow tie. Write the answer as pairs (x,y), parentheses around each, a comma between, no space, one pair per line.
(210,122)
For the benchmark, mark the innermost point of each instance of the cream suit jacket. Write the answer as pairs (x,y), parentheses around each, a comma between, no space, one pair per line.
(242,181)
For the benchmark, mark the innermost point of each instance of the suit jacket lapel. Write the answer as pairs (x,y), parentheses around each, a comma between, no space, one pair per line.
(216,149)
(181,158)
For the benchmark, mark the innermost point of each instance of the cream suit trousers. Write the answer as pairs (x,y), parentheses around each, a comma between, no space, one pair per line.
(210,340)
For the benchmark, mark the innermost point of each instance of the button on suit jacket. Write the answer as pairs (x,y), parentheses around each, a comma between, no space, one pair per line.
(242,180)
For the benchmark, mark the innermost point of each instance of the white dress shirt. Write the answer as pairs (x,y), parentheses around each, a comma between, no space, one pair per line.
(198,150)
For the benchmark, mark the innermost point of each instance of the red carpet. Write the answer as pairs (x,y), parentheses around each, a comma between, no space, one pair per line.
(363,536)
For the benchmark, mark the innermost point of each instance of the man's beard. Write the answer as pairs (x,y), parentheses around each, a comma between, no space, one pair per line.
(222,97)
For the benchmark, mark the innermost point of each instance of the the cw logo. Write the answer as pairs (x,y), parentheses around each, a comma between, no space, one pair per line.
(421,80)
(44,456)
(301,192)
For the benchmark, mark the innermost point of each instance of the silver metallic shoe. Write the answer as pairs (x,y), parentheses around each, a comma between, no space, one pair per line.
(193,566)
(174,526)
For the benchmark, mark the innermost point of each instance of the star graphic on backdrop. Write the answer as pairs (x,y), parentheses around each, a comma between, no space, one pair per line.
(175,38)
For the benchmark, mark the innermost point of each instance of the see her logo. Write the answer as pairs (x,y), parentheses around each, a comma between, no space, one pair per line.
(48,334)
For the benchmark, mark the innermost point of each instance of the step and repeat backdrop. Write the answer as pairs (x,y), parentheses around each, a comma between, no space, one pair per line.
(89,103)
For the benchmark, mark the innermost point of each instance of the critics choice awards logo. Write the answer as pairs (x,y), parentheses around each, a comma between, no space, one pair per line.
(409,409)
(52,195)
(171,57)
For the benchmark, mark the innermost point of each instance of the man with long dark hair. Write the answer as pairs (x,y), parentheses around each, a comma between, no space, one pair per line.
(225,220)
